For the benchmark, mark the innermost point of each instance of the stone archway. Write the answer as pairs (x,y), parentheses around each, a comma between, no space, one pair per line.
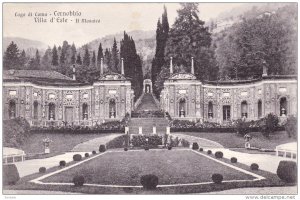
(147,86)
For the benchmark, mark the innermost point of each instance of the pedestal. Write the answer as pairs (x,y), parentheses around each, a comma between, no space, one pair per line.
(168,130)
(47,150)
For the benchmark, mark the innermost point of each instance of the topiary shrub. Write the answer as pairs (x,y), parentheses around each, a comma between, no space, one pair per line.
(270,123)
(217,178)
(125,149)
(195,146)
(146,148)
(42,169)
(169,147)
(94,152)
(86,155)
(209,152)
(10,174)
(149,181)
(78,181)
(254,166)
(233,160)
(287,171)
(241,127)
(102,148)
(62,163)
(291,127)
(77,157)
(201,149)
(219,154)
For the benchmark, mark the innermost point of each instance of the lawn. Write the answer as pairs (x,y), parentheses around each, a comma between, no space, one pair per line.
(232,140)
(126,168)
(61,142)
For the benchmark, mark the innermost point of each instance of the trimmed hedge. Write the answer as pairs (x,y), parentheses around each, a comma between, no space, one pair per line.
(140,140)
(94,152)
(102,148)
(125,149)
(78,181)
(195,146)
(169,147)
(209,152)
(42,169)
(217,178)
(62,163)
(86,155)
(254,166)
(77,157)
(10,174)
(287,171)
(149,181)
(146,148)
(219,154)
(201,149)
(117,142)
(233,160)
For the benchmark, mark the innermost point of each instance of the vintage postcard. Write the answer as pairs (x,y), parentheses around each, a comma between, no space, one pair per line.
(150,98)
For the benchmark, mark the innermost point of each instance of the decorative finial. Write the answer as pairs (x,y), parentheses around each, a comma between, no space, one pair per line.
(171,65)
(192,69)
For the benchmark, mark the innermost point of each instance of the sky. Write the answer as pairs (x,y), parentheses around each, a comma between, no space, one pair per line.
(114,18)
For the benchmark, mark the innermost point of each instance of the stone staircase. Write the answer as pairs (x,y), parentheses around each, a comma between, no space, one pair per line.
(147,125)
(147,115)
(147,103)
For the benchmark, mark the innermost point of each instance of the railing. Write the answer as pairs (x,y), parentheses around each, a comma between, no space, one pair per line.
(13,158)
(156,100)
(138,101)
(147,114)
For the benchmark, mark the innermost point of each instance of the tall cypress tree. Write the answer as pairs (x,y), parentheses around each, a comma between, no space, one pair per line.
(86,58)
(158,61)
(99,55)
(132,64)
(54,56)
(94,60)
(78,60)
(114,57)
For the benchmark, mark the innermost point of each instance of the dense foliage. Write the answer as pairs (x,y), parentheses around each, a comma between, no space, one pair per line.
(15,132)
(261,40)
(10,174)
(291,126)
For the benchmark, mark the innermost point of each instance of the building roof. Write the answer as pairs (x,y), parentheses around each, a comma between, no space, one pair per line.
(34,74)
(41,77)
(112,76)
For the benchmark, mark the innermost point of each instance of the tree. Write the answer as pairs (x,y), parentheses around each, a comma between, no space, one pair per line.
(11,58)
(188,38)
(99,55)
(78,60)
(132,64)
(114,62)
(158,61)
(46,60)
(35,63)
(107,60)
(94,60)
(54,56)
(73,58)
(23,60)
(86,58)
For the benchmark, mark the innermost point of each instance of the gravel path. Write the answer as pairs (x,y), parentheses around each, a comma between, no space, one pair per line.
(201,141)
(94,143)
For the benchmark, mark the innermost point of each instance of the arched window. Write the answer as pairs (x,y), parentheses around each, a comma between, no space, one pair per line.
(84,111)
(210,110)
(259,109)
(51,111)
(35,110)
(112,108)
(244,109)
(12,109)
(283,106)
(182,108)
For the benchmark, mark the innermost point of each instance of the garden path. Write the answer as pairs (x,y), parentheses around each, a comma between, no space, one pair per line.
(266,162)
(94,144)
(32,166)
